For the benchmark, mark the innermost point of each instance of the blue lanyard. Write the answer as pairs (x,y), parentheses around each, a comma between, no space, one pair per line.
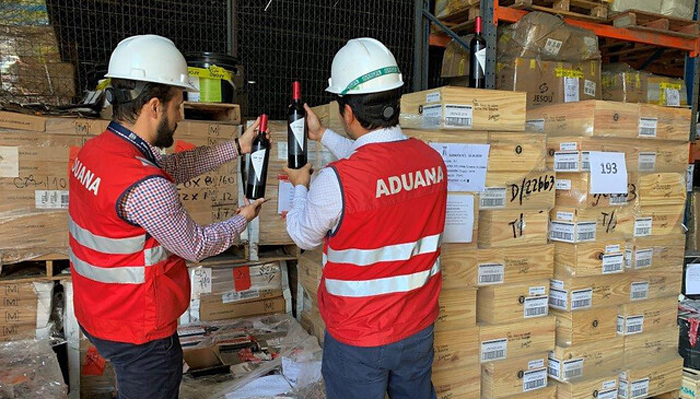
(134,139)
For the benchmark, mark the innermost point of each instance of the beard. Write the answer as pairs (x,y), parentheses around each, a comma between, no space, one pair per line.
(164,134)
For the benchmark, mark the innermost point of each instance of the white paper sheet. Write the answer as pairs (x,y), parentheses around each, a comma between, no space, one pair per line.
(608,172)
(459,223)
(466,165)
(285,197)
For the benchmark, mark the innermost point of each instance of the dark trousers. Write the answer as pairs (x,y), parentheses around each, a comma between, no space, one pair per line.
(402,369)
(152,370)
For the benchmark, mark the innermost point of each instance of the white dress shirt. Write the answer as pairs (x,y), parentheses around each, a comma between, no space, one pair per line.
(317,211)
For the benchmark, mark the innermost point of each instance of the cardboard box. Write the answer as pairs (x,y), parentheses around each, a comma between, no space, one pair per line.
(310,270)
(457,309)
(33,235)
(645,379)
(568,293)
(236,282)
(504,228)
(550,82)
(585,326)
(456,349)
(586,118)
(211,311)
(514,376)
(52,125)
(590,259)
(646,316)
(23,310)
(623,84)
(596,358)
(523,338)
(461,108)
(27,81)
(510,303)
(690,388)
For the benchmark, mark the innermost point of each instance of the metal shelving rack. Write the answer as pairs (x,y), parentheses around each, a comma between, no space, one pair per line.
(492,14)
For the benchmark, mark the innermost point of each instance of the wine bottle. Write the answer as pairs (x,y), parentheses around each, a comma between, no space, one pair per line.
(296,130)
(256,167)
(477,58)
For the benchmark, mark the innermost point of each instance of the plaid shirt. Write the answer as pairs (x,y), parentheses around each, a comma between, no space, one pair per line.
(154,204)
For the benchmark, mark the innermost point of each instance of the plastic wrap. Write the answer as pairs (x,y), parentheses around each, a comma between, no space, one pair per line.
(546,37)
(455,60)
(444,8)
(652,6)
(29,370)
(682,9)
(621,82)
(266,345)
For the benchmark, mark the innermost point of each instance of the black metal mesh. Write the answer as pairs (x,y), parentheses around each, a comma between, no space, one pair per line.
(65,44)
(297,39)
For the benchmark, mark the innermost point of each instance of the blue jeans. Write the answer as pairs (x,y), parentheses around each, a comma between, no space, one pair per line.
(403,369)
(152,370)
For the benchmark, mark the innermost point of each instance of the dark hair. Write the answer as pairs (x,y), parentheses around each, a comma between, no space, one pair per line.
(129,111)
(374,110)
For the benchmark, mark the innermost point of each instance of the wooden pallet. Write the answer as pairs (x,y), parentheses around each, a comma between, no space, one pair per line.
(656,23)
(226,113)
(44,268)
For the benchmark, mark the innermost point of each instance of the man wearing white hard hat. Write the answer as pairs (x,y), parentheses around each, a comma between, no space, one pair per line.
(129,233)
(379,211)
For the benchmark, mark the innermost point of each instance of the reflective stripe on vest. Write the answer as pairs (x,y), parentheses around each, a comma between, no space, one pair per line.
(389,253)
(117,246)
(122,274)
(388,285)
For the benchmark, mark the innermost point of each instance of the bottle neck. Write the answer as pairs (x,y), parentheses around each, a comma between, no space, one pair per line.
(478,25)
(296,91)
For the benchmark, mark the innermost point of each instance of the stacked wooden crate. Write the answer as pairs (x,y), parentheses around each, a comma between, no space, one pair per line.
(618,257)
(494,326)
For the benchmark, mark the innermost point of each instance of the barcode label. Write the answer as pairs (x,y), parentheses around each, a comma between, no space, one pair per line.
(537,290)
(458,115)
(534,379)
(432,97)
(642,227)
(647,127)
(563,184)
(647,161)
(585,231)
(630,325)
(535,364)
(558,298)
(51,199)
(589,88)
(493,198)
(573,368)
(535,307)
(612,248)
(582,299)
(613,263)
(494,350)
(628,258)
(609,394)
(623,389)
(610,384)
(566,161)
(239,296)
(643,258)
(491,273)
(432,114)
(617,199)
(534,125)
(639,291)
(566,216)
(552,46)
(561,231)
(585,161)
(640,388)
(568,146)
(554,367)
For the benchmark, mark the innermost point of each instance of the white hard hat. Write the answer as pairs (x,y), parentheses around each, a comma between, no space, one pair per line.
(364,66)
(149,58)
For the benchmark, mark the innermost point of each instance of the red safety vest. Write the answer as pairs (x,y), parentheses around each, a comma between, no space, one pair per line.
(127,288)
(381,276)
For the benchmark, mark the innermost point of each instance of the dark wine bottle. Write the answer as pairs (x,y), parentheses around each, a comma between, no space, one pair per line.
(296,130)
(256,167)
(477,58)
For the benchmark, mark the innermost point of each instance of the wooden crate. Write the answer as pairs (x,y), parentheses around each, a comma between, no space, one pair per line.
(672,123)
(661,189)
(691,384)
(514,376)
(512,228)
(653,284)
(656,23)
(510,303)
(459,266)
(603,257)
(518,265)
(457,383)
(518,191)
(568,293)
(657,376)
(550,392)
(585,326)
(457,309)
(524,338)
(589,387)
(656,252)
(604,357)
(221,112)
(329,115)
(460,108)
(18,311)
(457,348)
(665,220)
(648,346)
(576,225)
(640,155)
(646,316)
(586,118)
(43,268)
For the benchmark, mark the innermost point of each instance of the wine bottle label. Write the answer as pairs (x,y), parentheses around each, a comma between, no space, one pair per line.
(481,58)
(298,130)
(258,159)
